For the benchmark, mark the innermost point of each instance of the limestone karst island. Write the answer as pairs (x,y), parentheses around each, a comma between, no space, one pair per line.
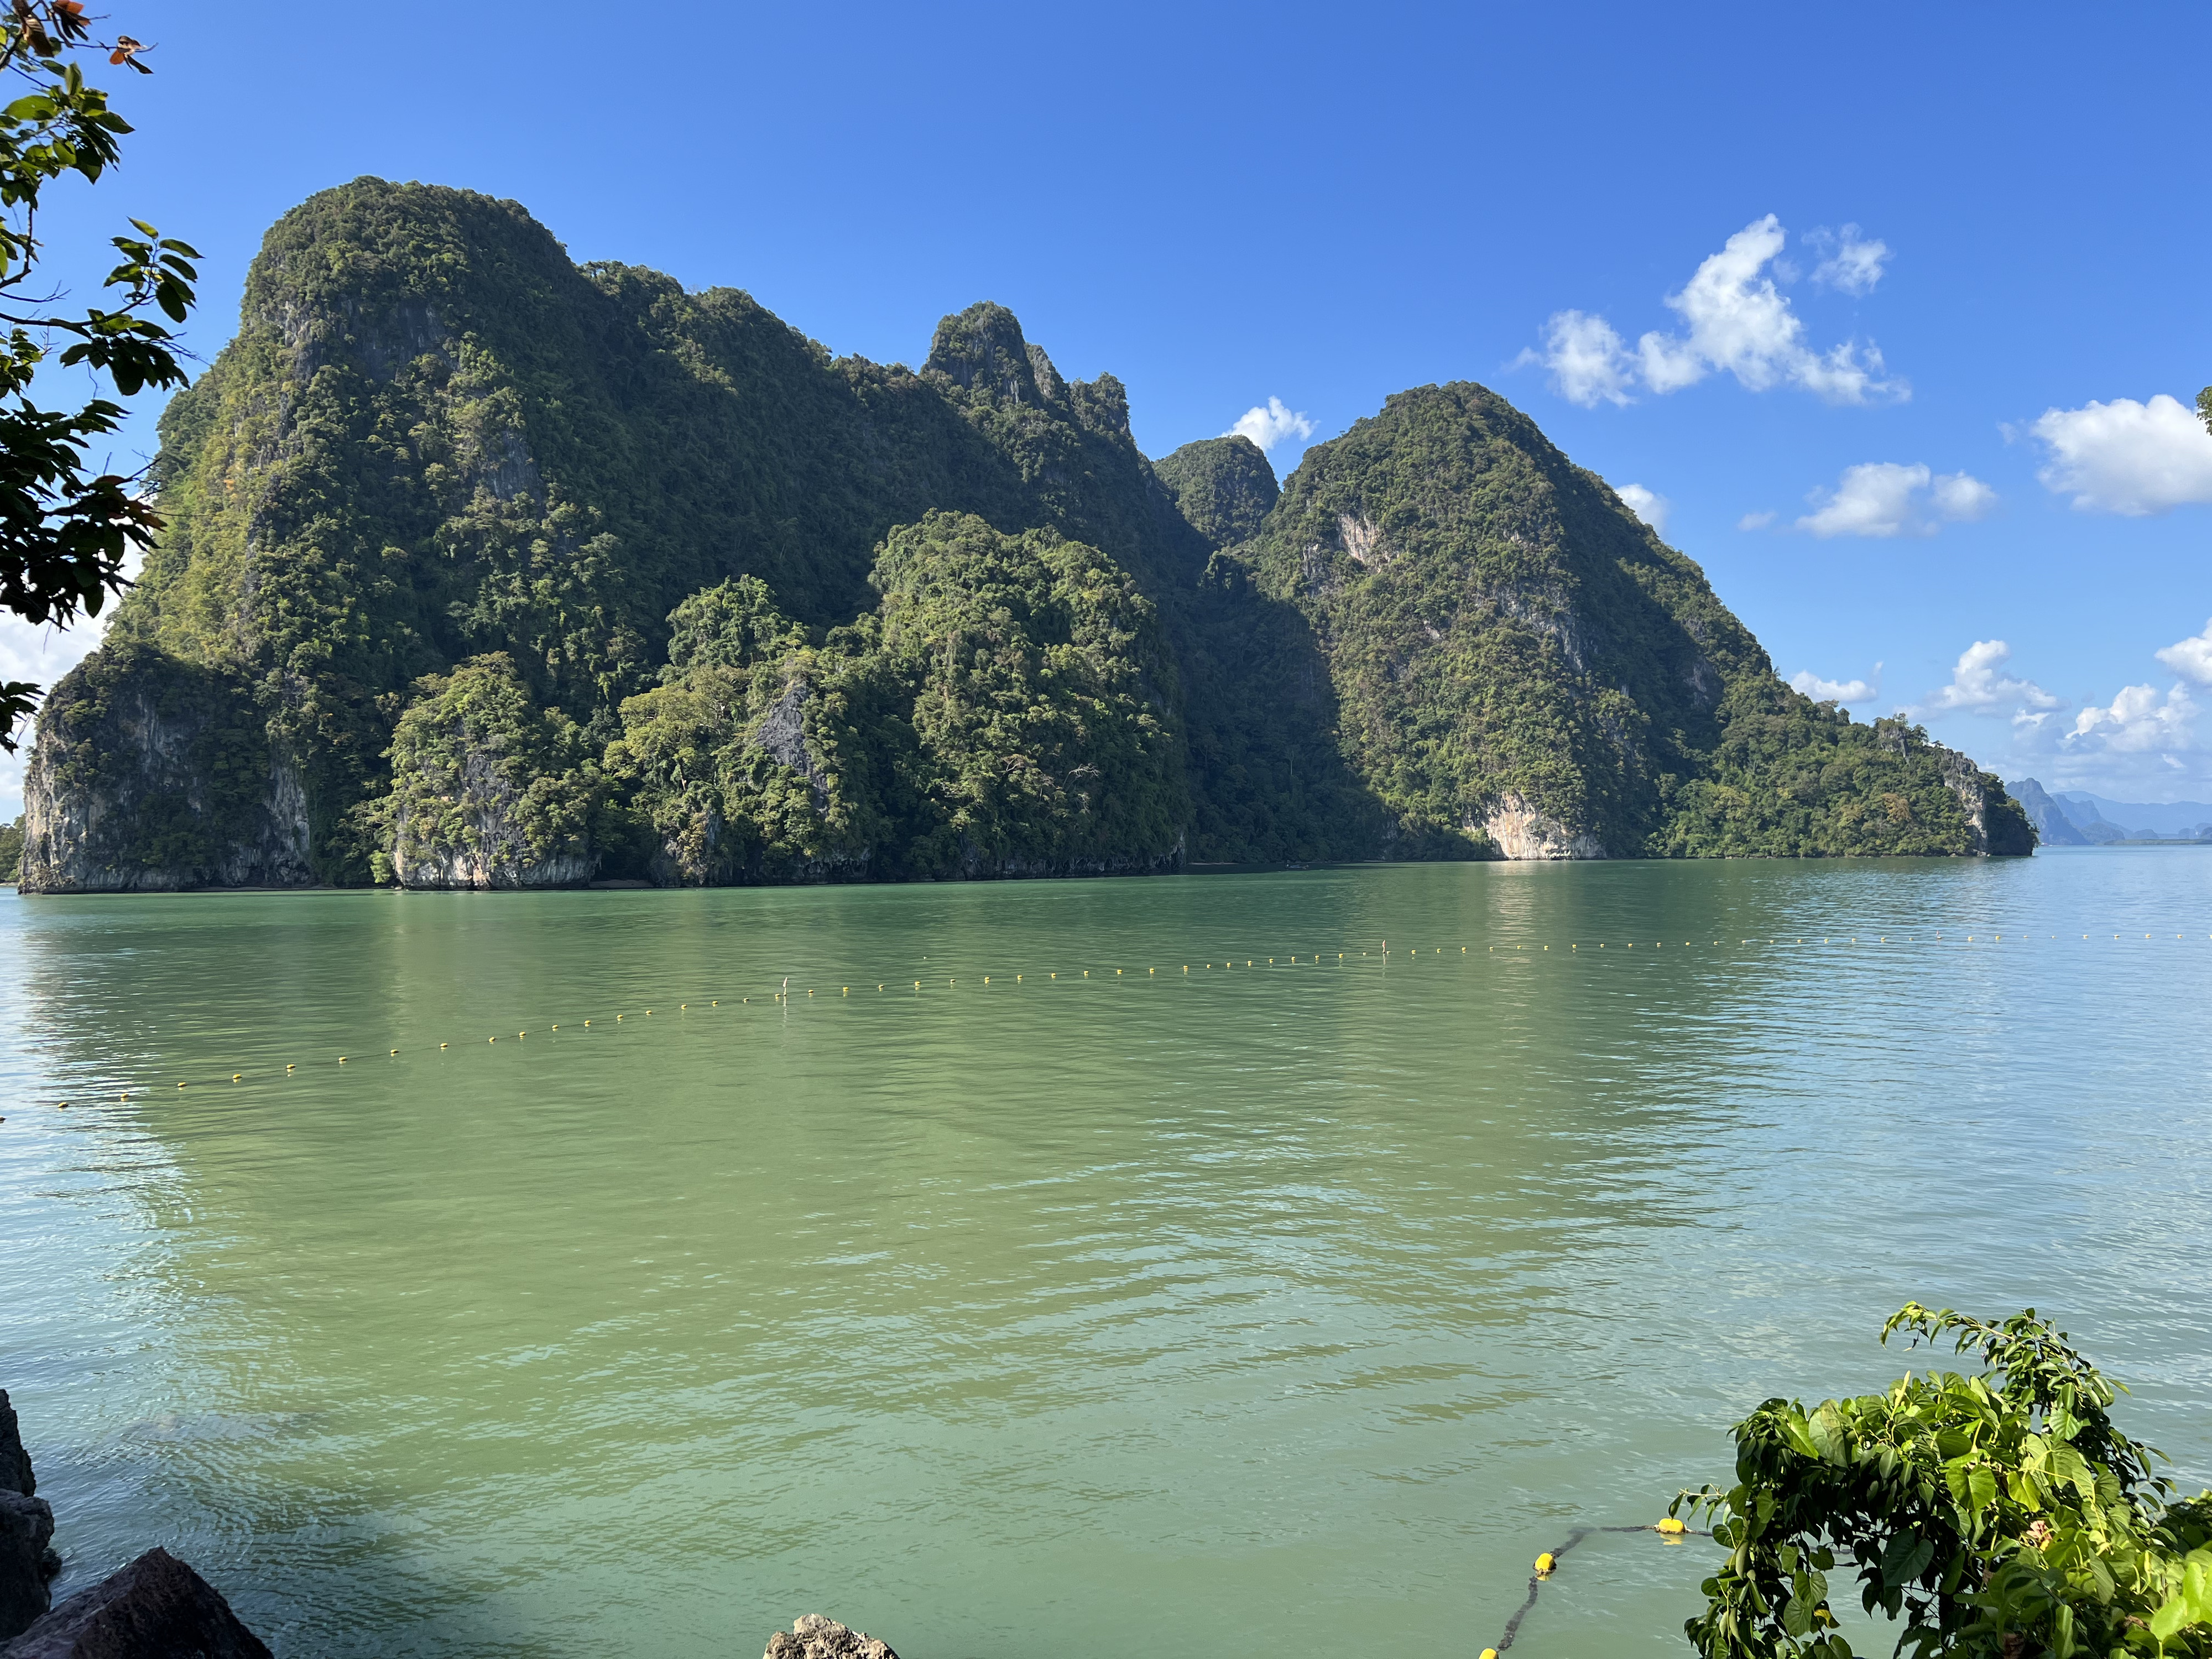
(948,832)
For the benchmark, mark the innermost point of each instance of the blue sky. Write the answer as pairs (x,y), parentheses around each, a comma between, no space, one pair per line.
(1897,288)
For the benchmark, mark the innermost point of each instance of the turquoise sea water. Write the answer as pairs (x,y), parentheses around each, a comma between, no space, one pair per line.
(1294,1304)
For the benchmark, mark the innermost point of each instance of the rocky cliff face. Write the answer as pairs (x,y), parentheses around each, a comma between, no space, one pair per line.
(153,775)
(1998,824)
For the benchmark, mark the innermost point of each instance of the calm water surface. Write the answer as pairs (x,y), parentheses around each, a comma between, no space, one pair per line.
(1294,1306)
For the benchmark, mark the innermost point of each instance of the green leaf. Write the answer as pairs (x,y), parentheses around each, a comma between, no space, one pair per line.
(1981,1488)
(1797,1617)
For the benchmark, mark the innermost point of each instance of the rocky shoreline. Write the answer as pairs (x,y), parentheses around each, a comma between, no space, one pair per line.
(156,1607)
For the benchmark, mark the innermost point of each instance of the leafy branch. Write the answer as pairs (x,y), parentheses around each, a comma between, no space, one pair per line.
(65,533)
(2000,1515)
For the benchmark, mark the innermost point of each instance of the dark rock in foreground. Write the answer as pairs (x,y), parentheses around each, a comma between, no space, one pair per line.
(27,1528)
(15,1462)
(811,1637)
(157,1607)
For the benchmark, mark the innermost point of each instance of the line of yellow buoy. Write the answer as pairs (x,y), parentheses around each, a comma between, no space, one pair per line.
(1230,963)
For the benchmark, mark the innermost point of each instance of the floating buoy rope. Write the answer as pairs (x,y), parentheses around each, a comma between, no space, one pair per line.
(1548,1565)
(1515,954)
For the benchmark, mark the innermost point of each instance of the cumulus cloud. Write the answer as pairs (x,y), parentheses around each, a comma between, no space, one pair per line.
(1269,425)
(1883,498)
(2191,658)
(1735,321)
(1647,505)
(1851,264)
(1588,363)
(2138,721)
(1756,520)
(1979,684)
(1822,690)
(2126,457)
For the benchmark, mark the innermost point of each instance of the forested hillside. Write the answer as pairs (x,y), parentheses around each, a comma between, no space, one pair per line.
(454,520)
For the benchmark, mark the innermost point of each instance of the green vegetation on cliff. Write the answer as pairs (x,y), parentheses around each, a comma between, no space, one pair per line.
(1508,641)
(482,779)
(1001,711)
(1224,486)
(748,612)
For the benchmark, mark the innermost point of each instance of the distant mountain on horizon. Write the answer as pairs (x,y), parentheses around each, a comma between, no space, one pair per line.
(2077,817)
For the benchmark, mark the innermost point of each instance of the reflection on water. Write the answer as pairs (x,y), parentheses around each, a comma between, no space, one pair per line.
(1283,1305)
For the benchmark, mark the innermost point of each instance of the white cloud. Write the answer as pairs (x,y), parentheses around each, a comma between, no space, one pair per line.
(1647,505)
(1735,320)
(1852,265)
(1979,684)
(2191,658)
(2138,722)
(2126,457)
(1755,520)
(1822,690)
(1268,426)
(1883,498)
(1588,364)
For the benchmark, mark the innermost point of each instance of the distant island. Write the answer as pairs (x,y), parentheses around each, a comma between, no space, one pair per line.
(483,568)
(2078,818)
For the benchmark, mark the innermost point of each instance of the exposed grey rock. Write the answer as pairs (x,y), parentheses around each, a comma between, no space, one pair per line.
(2002,827)
(157,1607)
(1521,831)
(811,1637)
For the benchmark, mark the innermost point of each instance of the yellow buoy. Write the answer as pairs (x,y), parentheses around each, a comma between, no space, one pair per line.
(180,1085)
(62,1105)
(1671,1527)
(1544,1563)
(1490,1653)
(237,1077)
(716,1003)
(395,1051)
(557,1028)
(289,1068)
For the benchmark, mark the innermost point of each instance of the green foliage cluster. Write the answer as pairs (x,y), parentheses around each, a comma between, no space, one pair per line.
(1004,709)
(1224,487)
(1499,624)
(481,776)
(1997,1516)
(1795,779)
(11,848)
